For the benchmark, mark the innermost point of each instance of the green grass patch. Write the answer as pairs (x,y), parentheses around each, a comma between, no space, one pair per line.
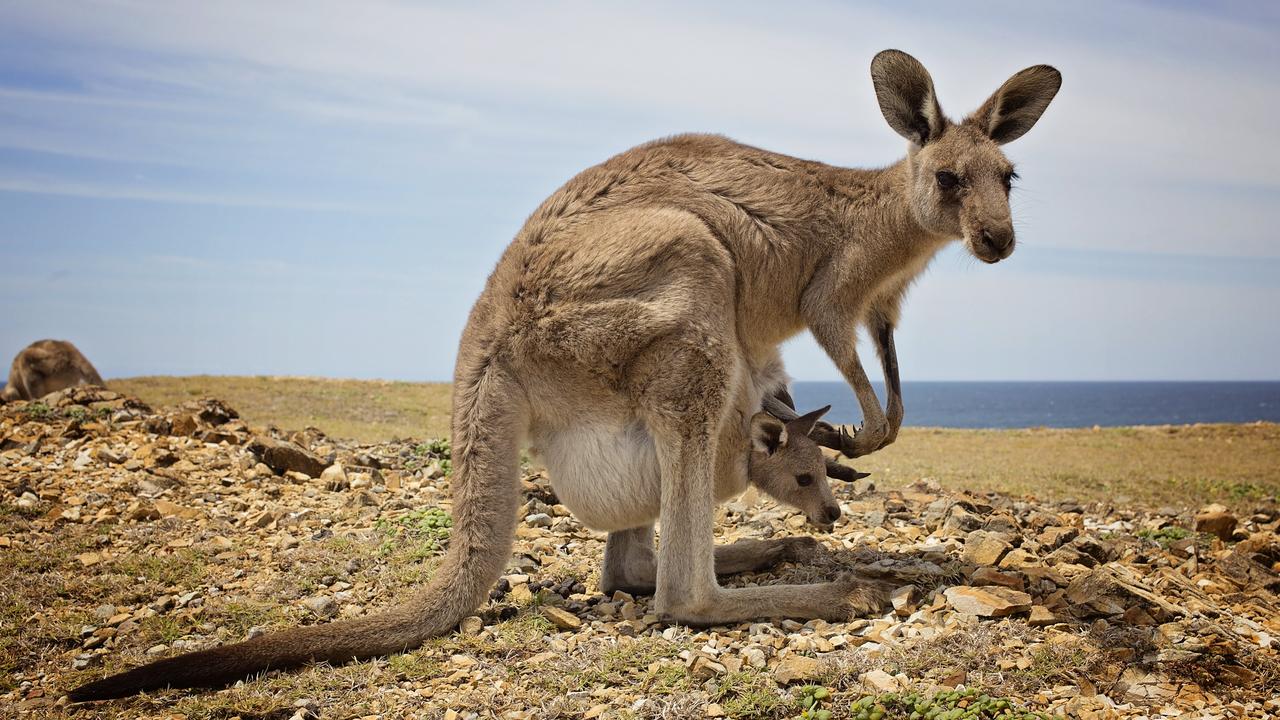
(1170,534)
(185,568)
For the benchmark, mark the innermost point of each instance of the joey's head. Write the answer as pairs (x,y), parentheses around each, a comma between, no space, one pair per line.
(789,467)
(958,178)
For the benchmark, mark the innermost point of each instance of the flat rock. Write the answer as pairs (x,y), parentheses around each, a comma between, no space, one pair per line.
(991,576)
(471,625)
(1041,616)
(904,600)
(991,601)
(793,668)
(284,457)
(1216,520)
(984,548)
(561,618)
(880,681)
(322,605)
(334,477)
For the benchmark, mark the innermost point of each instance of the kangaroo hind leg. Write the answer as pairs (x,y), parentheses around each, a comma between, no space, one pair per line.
(685,423)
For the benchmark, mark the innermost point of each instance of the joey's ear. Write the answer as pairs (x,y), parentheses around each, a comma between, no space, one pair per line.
(1018,104)
(803,425)
(905,93)
(767,433)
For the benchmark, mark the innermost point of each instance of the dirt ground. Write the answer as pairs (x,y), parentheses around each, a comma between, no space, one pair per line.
(129,533)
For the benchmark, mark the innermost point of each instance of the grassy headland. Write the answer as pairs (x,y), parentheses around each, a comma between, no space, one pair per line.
(1178,466)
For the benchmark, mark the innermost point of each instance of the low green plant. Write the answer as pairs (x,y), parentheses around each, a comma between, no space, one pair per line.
(38,410)
(430,527)
(811,699)
(968,704)
(1171,534)
(437,450)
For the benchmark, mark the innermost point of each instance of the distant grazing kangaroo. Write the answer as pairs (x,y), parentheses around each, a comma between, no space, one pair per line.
(47,366)
(636,318)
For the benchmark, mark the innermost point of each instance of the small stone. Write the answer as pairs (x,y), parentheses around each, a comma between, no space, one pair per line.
(705,668)
(993,601)
(880,681)
(984,548)
(561,618)
(1216,520)
(89,559)
(1053,537)
(285,457)
(183,425)
(83,461)
(471,625)
(904,600)
(796,667)
(754,657)
(334,478)
(322,605)
(538,520)
(1017,558)
(991,576)
(713,710)
(1041,616)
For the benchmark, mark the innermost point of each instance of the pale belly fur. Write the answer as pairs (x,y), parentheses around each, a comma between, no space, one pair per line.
(605,469)
(607,475)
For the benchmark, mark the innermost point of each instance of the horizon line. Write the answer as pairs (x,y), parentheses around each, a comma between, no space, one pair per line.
(279,376)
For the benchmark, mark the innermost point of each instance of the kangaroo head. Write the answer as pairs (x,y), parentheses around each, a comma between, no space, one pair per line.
(959,180)
(789,467)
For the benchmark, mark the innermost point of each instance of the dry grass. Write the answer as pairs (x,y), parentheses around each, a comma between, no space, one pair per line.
(1179,466)
(365,410)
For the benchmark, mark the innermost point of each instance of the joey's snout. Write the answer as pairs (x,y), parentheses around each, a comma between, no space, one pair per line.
(831,513)
(824,516)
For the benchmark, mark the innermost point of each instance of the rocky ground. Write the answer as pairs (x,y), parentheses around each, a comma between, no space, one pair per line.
(128,534)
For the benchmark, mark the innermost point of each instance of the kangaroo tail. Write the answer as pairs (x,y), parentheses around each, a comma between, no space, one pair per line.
(487,411)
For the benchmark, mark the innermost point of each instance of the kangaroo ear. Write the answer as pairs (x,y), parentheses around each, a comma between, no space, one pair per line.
(1017,105)
(803,425)
(905,93)
(767,433)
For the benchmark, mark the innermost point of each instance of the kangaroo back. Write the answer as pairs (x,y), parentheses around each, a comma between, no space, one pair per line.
(486,418)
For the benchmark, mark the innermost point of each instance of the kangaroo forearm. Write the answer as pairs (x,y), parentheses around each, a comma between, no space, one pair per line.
(883,332)
(838,339)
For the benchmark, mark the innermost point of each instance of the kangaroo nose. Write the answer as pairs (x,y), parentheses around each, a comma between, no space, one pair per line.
(831,513)
(998,241)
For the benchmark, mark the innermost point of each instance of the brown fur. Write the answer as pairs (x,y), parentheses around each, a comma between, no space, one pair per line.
(651,293)
(47,366)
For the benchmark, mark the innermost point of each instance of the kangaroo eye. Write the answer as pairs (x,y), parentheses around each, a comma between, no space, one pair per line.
(804,480)
(1008,179)
(947,179)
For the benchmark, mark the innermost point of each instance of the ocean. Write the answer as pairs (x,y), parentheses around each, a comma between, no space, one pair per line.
(1057,404)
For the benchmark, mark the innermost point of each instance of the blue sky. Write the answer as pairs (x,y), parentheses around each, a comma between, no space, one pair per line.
(320,188)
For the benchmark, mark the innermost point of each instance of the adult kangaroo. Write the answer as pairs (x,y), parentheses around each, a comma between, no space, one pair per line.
(637,317)
(47,366)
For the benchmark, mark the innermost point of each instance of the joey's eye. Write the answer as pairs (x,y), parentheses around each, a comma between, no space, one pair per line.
(947,179)
(1008,179)
(804,480)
